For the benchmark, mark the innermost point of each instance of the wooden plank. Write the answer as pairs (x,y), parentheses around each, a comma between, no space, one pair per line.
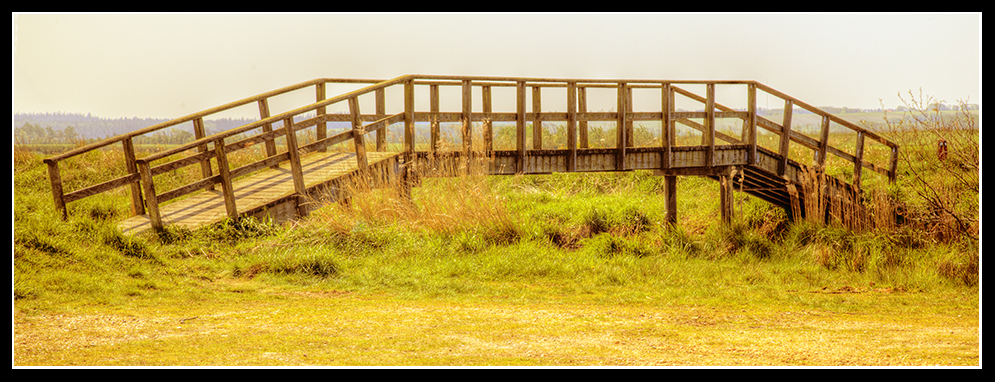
(859,159)
(710,124)
(296,170)
(268,127)
(409,120)
(55,181)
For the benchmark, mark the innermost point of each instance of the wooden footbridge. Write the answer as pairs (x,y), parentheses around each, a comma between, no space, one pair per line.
(302,166)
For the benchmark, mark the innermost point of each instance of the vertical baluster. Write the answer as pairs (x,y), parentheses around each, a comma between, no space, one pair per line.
(488,126)
(409,121)
(582,125)
(55,180)
(268,128)
(667,137)
(433,100)
(710,124)
(520,128)
(467,119)
(151,199)
(296,171)
(536,121)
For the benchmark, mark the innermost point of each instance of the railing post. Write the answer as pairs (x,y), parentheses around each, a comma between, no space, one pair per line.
(667,133)
(630,136)
(751,122)
(782,163)
(409,120)
(268,128)
(381,134)
(56,181)
(582,108)
(488,125)
(357,134)
(893,165)
(226,182)
(520,128)
(823,141)
(205,165)
(710,124)
(620,139)
(137,206)
(858,162)
(322,127)
(296,172)
(571,126)
(467,128)
(433,107)
(151,199)
(536,121)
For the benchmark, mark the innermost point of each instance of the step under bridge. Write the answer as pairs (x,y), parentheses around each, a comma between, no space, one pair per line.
(298,166)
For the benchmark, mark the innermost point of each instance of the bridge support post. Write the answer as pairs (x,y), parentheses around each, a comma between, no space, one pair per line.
(670,188)
(726,197)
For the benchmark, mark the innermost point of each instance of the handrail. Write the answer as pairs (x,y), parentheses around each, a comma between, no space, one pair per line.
(141,171)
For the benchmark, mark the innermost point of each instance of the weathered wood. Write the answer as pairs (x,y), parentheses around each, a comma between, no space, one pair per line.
(670,188)
(151,200)
(667,125)
(296,169)
(226,187)
(709,135)
(55,181)
(488,127)
(536,121)
(581,123)
(409,120)
(823,142)
(322,127)
(433,96)
(858,163)
(751,121)
(357,135)
(137,205)
(467,117)
(572,126)
(381,134)
(620,130)
(205,164)
(785,138)
(520,127)
(267,127)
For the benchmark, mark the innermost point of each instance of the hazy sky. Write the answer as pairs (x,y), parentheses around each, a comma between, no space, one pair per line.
(170,65)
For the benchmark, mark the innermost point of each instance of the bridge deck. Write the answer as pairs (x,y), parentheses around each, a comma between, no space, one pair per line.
(256,193)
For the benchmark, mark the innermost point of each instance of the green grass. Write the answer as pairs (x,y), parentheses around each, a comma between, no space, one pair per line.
(560,269)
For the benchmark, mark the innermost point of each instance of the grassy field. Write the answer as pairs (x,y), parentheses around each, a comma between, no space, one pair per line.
(549,270)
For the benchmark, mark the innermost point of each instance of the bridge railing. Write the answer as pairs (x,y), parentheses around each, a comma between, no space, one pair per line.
(141,172)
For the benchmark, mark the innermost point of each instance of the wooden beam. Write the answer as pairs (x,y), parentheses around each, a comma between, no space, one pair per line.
(409,120)
(858,163)
(670,188)
(267,128)
(205,165)
(710,123)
